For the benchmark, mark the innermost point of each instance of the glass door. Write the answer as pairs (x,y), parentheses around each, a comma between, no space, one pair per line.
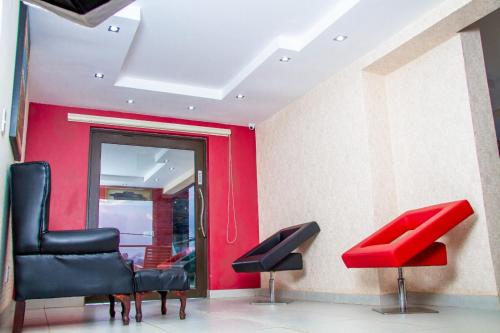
(152,189)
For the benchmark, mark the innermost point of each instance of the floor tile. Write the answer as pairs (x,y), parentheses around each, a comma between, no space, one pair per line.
(35,321)
(238,315)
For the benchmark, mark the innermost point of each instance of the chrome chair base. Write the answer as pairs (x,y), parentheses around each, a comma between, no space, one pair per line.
(272,295)
(403,307)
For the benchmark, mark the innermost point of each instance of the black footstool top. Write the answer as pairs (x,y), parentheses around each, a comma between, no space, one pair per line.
(161,280)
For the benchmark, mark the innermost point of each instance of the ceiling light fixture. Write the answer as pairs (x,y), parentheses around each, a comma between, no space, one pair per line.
(285,59)
(191,107)
(130,101)
(240,96)
(114,28)
(99,76)
(340,38)
(172,168)
(157,180)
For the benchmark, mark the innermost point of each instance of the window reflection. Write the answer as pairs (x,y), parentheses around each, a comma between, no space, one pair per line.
(148,194)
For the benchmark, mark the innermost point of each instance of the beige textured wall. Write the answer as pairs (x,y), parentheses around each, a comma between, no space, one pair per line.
(312,165)
(8,35)
(361,148)
(435,160)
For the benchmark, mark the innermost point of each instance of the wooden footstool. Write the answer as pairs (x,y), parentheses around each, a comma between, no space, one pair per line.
(162,281)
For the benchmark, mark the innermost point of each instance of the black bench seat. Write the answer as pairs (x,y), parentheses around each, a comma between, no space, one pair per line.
(162,281)
(174,279)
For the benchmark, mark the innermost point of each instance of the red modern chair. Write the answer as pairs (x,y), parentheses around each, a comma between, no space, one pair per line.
(173,260)
(409,240)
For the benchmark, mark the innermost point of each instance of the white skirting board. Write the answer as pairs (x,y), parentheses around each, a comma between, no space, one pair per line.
(65,302)
(235,293)
(483,302)
(462,301)
(79,301)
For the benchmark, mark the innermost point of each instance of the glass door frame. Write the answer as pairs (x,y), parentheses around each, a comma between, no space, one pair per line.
(98,136)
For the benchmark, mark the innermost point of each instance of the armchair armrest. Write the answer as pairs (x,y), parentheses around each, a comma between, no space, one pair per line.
(80,241)
(129,263)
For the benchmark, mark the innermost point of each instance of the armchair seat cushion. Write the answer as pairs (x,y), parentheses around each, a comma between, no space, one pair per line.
(80,241)
(68,275)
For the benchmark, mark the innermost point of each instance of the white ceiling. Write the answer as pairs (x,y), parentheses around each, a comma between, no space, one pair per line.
(147,167)
(172,54)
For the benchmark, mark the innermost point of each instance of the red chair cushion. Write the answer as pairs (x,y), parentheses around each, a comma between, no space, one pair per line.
(409,239)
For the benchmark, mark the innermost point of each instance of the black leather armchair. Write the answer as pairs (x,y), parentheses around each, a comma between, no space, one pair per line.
(51,264)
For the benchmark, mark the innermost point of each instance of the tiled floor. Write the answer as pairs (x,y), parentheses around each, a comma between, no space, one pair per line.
(238,316)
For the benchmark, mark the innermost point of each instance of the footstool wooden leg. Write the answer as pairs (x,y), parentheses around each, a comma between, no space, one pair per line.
(138,307)
(182,297)
(18,324)
(163,295)
(111,306)
(125,300)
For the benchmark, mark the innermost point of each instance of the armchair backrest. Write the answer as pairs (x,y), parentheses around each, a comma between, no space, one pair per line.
(30,198)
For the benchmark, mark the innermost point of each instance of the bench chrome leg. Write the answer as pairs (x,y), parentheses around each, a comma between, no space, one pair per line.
(403,307)
(272,294)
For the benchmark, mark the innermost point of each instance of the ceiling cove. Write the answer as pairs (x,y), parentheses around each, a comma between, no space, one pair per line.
(279,44)
(207,60)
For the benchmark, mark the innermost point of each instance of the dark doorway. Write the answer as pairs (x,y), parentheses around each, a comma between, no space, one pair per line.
(490,30)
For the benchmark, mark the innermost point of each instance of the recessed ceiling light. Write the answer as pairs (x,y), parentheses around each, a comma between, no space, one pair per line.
(340,38)
(113,28)
(99,76)
(285,59)
(240,96)
(130,101)
(191,107)
(172,169)
(157,180)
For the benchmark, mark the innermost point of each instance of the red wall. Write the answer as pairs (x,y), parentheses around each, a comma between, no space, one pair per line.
(65,145)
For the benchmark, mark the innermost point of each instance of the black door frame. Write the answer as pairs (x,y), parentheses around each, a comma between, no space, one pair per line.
(99,136)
